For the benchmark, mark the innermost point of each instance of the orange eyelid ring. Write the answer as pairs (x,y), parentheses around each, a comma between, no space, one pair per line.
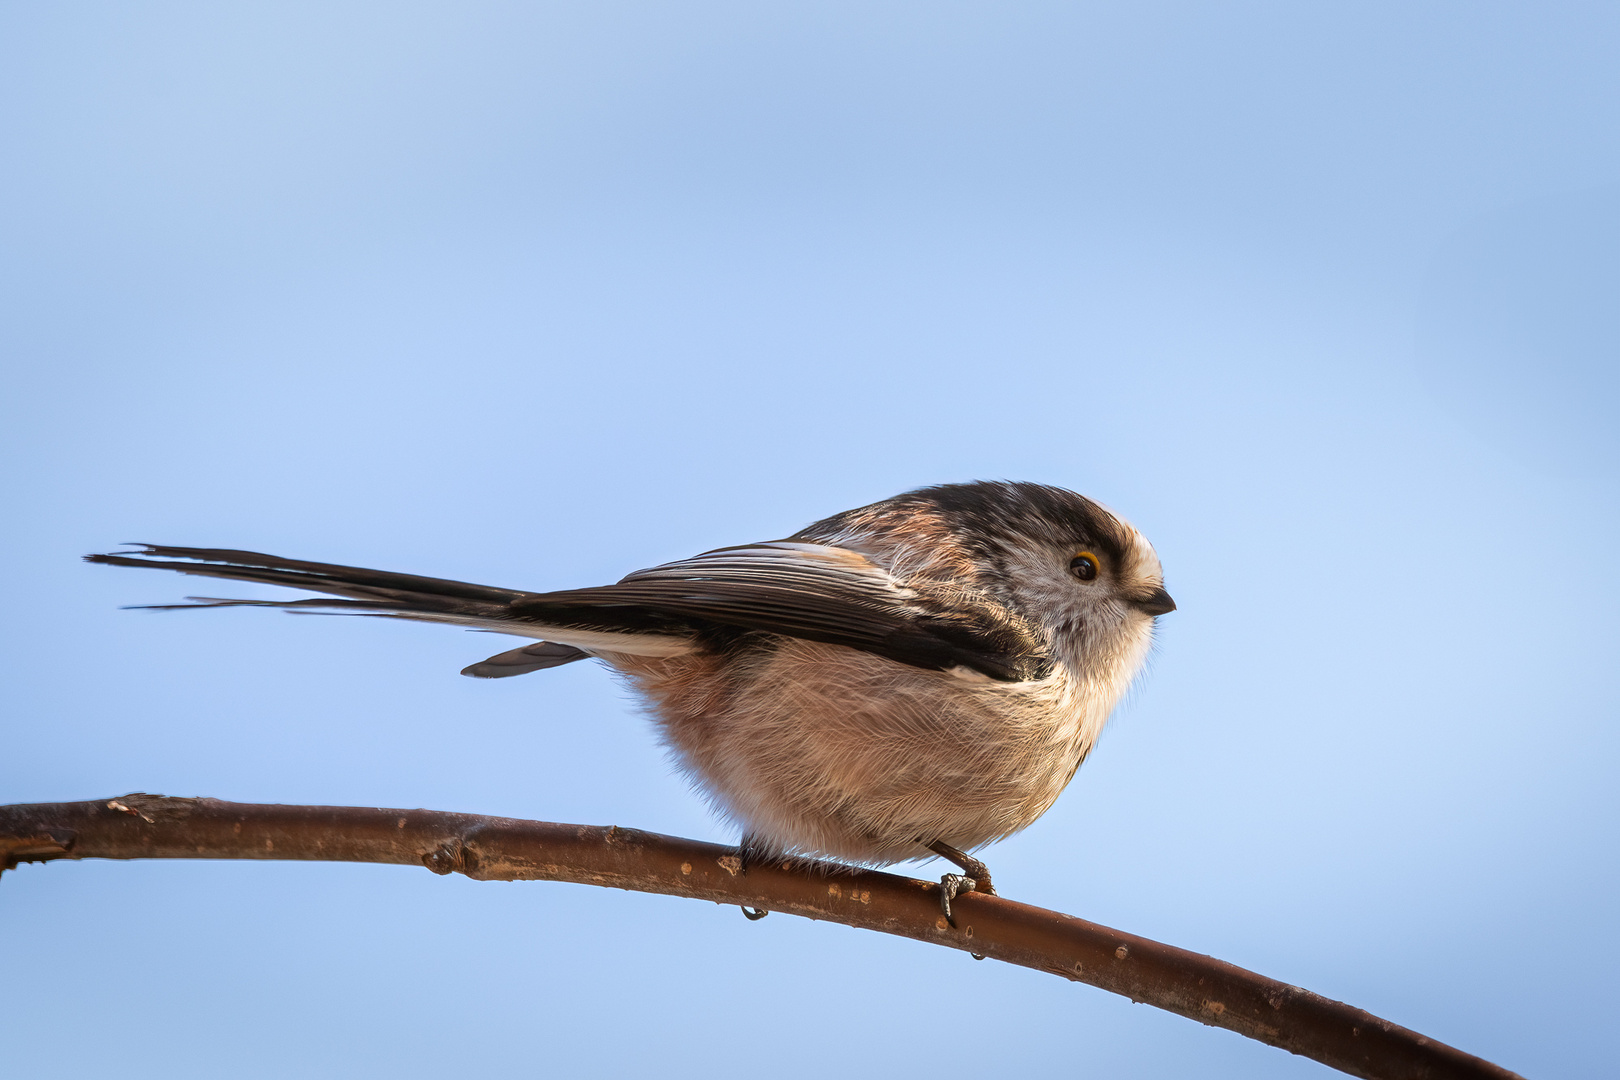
(1084,565)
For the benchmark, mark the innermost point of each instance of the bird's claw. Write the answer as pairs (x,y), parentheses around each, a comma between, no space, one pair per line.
(753,914)
(950,887)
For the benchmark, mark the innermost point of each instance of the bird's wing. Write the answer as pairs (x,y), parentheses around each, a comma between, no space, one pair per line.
(810,591)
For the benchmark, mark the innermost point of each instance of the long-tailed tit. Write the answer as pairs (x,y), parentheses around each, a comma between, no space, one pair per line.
(922,674)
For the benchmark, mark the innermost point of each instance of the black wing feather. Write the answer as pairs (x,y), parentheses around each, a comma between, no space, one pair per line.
(809,591)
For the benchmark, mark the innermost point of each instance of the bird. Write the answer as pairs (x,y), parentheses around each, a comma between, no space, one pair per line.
(919,676)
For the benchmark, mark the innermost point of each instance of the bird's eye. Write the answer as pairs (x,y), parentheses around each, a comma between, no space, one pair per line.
(1084,566)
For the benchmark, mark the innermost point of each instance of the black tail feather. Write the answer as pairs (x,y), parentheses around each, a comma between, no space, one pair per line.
(408,596)
(379,589)
(536,657)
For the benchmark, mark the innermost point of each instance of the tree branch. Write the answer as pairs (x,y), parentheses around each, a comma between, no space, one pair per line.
(1210,991)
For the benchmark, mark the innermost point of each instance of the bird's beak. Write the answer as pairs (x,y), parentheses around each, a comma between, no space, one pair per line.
(1157,602)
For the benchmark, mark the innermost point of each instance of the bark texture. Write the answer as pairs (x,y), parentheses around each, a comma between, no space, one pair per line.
(141,826)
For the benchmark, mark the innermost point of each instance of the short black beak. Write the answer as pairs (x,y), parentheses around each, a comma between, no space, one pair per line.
(1157,602)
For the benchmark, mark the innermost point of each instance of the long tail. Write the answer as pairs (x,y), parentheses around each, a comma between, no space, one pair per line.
(372,592)
(368,591)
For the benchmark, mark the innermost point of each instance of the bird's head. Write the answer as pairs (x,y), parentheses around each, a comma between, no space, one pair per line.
(1081,576)
(1084,577)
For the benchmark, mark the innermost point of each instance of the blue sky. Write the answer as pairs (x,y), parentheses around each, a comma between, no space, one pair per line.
(1327,302)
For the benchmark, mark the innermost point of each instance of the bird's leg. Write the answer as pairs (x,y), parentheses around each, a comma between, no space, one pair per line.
(975,879)
(751,849)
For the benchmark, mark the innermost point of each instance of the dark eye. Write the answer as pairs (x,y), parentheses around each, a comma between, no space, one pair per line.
(1084,566)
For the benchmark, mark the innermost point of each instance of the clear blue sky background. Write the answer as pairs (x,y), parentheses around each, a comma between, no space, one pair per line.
(1326,300)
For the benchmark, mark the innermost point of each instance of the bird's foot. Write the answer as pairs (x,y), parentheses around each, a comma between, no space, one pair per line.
(976,879)
(977,874)
(750,851)
(950,887)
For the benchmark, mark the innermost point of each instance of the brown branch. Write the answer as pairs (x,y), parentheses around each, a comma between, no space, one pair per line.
(503,849)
